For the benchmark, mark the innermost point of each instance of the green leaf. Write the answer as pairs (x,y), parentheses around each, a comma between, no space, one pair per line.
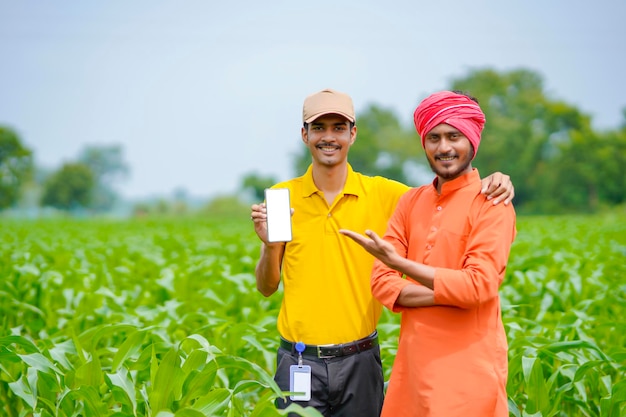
(214,403)
(21,341)
(195,360)
(265,406)
(240,363)
(89,374)
(91,337)
(48,387)
(189,412)
(26,387)
(536,389)
(40,363)
(246,384)
(165,413)
(198,384)
(87,396)
(130,346)
(122,380)
(60,351)
(568,345)
(167,382)
(301,411)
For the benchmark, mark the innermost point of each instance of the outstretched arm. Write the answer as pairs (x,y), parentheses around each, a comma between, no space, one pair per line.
(411,295)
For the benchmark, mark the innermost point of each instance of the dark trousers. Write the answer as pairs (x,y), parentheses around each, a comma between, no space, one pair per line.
(346,386)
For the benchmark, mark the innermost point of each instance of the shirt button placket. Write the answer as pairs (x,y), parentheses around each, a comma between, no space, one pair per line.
(433,229)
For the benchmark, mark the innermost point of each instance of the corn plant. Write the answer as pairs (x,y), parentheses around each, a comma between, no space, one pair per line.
(150,318)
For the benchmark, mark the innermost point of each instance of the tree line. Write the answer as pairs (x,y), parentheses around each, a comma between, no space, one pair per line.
(557,161)
(86,183)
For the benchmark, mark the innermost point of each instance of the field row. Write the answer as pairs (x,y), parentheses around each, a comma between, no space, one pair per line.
(147,318)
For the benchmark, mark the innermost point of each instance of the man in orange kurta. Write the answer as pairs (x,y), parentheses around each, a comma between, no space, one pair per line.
(440,264)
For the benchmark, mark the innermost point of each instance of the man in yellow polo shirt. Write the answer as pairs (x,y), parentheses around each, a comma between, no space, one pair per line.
(328,316)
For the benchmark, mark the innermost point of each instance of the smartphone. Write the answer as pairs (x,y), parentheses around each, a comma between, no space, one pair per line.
(278,206)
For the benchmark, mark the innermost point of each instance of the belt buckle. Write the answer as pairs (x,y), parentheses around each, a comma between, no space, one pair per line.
(320,355)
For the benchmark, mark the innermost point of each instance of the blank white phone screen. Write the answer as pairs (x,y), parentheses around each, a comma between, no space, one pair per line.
(278,208)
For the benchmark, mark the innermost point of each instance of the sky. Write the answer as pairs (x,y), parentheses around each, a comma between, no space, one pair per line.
(201,93)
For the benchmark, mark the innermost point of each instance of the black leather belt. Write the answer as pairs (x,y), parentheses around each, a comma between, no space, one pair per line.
(333,351)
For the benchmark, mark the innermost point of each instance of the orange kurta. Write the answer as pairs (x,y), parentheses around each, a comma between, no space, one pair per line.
(452,358)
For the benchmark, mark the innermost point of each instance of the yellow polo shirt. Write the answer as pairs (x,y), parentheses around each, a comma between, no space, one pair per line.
(325,275)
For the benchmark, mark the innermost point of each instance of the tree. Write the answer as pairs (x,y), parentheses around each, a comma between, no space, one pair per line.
(556,161)
(592,169)
(612,156)
(16,165)
(256,184)
(108,167)
(71,187)
(524,132)
(382,147)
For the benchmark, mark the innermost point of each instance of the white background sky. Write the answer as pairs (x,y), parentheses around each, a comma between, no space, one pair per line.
(200,93)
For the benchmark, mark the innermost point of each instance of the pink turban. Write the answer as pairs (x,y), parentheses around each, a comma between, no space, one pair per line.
(457,110)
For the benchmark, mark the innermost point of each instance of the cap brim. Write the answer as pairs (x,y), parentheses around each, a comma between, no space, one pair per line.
(340,113)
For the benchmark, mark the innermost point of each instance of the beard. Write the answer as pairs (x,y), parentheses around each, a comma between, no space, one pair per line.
(450,174)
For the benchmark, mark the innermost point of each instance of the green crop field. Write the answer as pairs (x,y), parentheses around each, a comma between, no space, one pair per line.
(162,318)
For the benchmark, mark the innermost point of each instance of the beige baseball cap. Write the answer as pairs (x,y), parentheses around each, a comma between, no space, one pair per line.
(327,102)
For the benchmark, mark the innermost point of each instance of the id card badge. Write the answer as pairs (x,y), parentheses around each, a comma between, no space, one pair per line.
(300,382)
